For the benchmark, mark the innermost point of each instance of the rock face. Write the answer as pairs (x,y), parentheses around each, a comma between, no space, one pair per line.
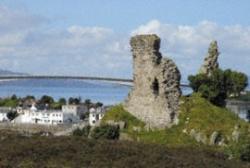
(154,98)
(211,60)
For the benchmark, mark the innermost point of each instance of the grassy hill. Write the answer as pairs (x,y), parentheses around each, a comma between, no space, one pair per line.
(196,115)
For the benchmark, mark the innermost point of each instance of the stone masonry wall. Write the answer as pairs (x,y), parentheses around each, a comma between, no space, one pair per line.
(211,60)
(155,95)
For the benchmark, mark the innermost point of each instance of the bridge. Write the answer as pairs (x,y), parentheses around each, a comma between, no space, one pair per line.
(121,80)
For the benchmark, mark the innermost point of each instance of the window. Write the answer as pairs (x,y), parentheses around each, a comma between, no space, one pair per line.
(155,87)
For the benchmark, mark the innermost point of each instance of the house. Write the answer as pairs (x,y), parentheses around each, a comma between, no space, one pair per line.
(45,117)
(75,109)
(95,115)
(3,113)
(239,107)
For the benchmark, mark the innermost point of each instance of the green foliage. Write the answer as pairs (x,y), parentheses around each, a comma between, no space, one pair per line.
(62,101)
(8,102)
(99,104)
(245,153)
(219,85)
(105,132)
(235,82)
(240,149)
(56,106)
(12,115)
(46,100)
(74,100)
(82,132)
(13,97)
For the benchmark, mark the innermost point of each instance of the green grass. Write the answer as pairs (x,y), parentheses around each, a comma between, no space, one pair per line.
(195,113)
(207,117)
(118,113)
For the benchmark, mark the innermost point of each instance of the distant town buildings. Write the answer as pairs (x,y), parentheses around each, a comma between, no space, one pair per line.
(95,115)
(241,108)
(68,114)
(3,113)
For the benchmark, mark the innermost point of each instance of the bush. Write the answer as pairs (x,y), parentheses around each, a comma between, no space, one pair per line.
(219,85)
(245,154)
(82,132)
(106,132)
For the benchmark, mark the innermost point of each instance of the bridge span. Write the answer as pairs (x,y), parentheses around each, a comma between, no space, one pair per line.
(121,80)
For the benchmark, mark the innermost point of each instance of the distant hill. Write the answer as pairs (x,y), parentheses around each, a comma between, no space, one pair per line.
(7,73)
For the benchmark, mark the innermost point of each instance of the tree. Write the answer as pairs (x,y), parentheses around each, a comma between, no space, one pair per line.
(99,104)
(74,100)
(62,101)
(235,82)
(219,85)
(88,103)
(13,97)
(46,100)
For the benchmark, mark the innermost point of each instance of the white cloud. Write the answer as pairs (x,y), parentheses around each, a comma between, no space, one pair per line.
(27,46)
(187,45)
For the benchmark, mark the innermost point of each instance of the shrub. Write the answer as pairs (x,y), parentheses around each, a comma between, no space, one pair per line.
(106,132)
(82,132)
(245,154)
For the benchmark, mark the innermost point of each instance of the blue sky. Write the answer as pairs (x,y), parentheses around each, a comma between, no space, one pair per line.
(126,15)
(91,37)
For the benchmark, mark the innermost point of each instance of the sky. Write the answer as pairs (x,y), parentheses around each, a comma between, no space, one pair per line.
(91,37)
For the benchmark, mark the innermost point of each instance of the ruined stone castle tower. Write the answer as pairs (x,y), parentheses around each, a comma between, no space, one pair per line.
(155,95)
(211,60)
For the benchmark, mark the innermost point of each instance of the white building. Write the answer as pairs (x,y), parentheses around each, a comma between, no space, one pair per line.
(3,113)
(95,115)
(3,117)
(47,117)
(75,109)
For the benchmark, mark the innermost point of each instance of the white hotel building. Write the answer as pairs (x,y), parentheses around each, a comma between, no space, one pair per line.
(69,114)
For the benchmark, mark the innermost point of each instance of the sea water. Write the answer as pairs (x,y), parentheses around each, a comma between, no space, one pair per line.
(96,91)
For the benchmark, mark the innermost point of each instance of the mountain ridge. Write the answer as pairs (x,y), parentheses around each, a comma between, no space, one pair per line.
(8,72)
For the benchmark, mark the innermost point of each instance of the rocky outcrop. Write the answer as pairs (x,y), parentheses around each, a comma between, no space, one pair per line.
(211,61)
(154,98)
